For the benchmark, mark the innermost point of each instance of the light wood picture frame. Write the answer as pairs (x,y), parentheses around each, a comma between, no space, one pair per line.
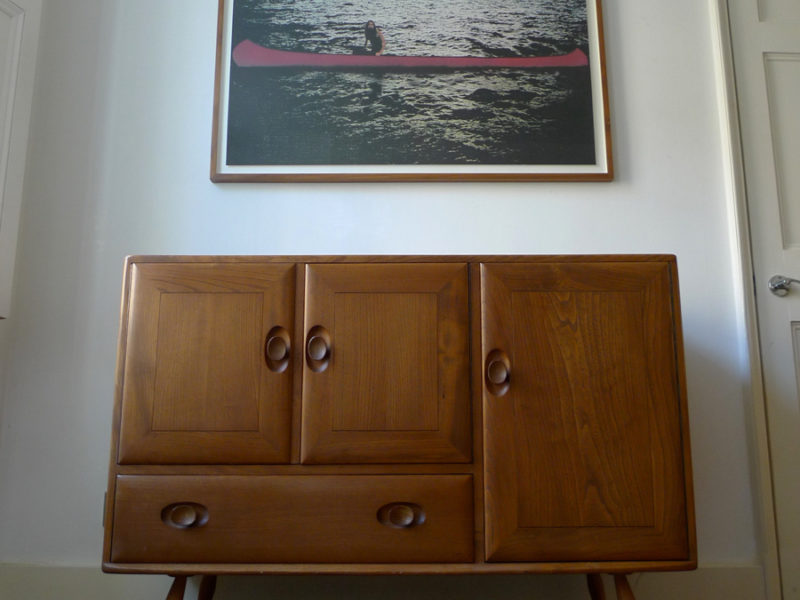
(467,90)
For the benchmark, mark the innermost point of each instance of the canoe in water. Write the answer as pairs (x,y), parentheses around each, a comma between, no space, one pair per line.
(250,54)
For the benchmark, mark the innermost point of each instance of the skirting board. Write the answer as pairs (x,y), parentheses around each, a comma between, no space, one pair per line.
(24,582)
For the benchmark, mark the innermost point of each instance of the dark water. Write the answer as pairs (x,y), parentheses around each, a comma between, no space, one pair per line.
(497,116)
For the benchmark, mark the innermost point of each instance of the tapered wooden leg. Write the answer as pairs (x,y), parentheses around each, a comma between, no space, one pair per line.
(207,586)
(624,591)
(177,589)
(596,589)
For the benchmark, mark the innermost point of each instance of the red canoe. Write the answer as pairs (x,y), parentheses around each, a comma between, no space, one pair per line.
(250,54)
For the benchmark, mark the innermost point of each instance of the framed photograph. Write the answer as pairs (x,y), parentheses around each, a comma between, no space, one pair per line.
(410,90)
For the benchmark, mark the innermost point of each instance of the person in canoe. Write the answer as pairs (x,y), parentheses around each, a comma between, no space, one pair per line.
(374,40)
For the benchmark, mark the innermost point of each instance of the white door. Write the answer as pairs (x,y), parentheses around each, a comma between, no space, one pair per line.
(19,41)
(766,52)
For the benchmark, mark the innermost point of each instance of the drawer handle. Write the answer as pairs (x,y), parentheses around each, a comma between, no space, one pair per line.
(185,515)
(401,515)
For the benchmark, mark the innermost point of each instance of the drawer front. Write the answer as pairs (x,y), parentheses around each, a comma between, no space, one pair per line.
(290,519)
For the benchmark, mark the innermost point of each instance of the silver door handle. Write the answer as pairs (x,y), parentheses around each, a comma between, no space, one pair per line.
(780,284)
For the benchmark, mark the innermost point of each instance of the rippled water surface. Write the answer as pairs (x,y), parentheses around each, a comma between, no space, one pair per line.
(495,116)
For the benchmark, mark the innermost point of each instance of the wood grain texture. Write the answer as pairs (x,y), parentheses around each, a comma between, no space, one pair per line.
(297,364)
(601,48)
(396,386)
(477,409)
(206,370)
(215,117)
(583,456)
(399,258)
(398,328)
(116,419)
(297,469)
(294,519)
(195,385)
(680,372)
(399,568)
(595,477)
(576,366)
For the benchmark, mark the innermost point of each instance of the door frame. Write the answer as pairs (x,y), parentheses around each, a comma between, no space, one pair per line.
(24,17)
(741,254)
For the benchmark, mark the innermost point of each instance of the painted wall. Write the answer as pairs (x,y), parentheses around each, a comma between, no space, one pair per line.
(119,164)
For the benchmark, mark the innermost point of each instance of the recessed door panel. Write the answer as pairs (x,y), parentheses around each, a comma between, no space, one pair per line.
(786,12)
(401,328)
(583,441)
(208,359)
(197,383)
(386,377)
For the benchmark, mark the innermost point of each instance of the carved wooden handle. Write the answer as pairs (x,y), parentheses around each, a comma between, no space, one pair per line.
(401,515)
(497,372)
(185,515)
(317,348)
(277,349)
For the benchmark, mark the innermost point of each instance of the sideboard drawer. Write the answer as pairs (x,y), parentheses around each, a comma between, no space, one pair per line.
(293,518)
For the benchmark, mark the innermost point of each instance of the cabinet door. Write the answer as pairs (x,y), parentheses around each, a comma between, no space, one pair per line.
(386,376)
(207,375)
(583,408)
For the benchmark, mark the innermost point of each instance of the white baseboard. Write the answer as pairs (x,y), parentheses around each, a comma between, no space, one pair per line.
(28,582)
(35,582)
(745,582)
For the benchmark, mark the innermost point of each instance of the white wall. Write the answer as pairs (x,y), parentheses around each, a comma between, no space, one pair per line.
(119,164)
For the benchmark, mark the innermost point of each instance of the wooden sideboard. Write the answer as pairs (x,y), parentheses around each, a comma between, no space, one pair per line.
(400,414)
